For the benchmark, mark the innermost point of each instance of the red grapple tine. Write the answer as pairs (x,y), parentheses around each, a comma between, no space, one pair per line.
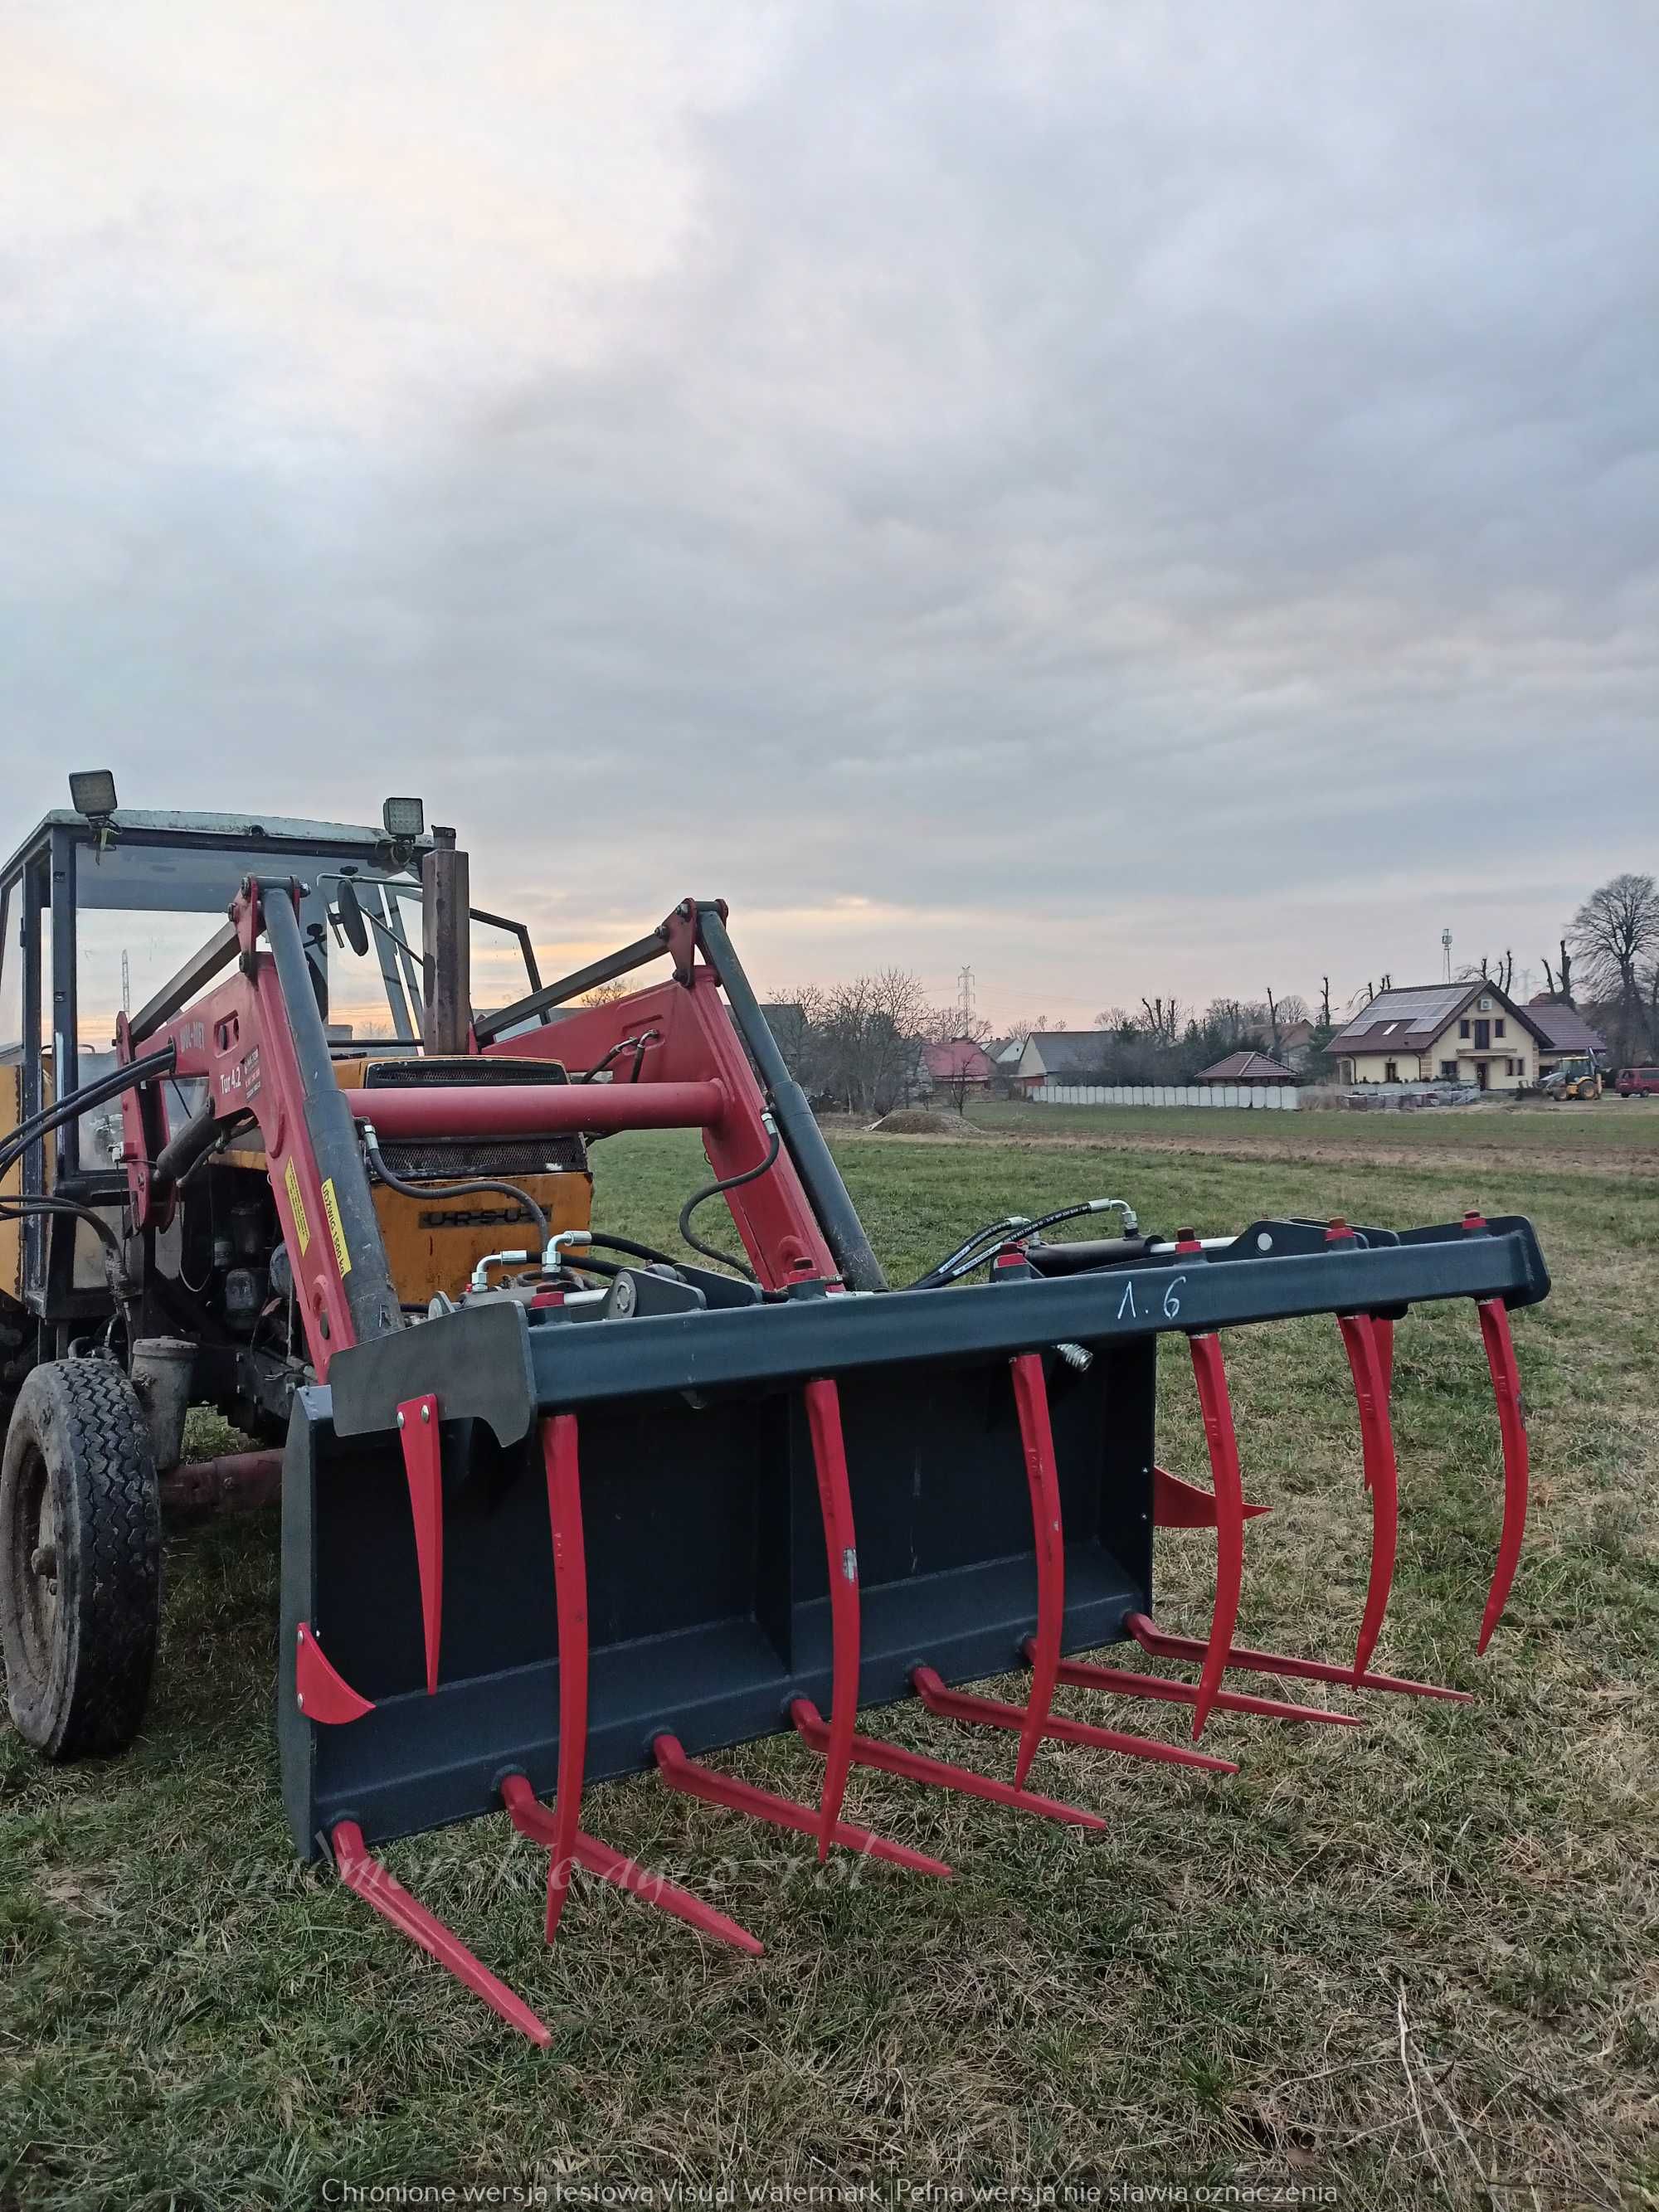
(417,1432)
(1210,1373)
(1037,1439)
(362,1872)
(1158,1643)
(938,1773)
(1382,1475)
(564,1513)
(692,1780)
(991,1712)
(532,1818)
(836,1502)
(1083,1675)
(1383,1330)
(1506,1388)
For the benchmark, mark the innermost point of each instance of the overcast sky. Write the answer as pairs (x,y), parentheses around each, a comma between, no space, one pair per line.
(1137,499)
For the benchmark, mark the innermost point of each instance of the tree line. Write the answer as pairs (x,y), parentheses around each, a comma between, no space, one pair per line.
(857,1044)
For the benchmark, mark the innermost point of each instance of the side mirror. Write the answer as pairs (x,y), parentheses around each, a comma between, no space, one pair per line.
(350,915)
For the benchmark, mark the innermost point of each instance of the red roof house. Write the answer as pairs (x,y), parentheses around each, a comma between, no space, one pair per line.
(961,1065)
(1246,1067)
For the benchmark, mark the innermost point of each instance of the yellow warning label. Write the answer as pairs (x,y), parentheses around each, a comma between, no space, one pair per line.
(331,1207)
(296,1207)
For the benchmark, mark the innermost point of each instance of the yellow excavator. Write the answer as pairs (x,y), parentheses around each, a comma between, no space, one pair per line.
(1580,1078)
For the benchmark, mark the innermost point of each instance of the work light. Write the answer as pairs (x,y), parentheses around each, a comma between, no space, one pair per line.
(403,818)
(92,792)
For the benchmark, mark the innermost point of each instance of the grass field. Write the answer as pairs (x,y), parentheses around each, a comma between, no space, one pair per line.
(1417,1961)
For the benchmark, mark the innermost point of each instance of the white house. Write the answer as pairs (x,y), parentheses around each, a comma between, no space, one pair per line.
(1441,1033)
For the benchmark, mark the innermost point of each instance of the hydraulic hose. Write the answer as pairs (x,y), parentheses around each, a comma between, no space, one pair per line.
(475,1186)
(717,1190)
(634,1250)
(15,1209)
(96,1093)
(980,1247)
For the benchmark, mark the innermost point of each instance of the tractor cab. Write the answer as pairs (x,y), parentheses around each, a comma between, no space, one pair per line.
(106,912)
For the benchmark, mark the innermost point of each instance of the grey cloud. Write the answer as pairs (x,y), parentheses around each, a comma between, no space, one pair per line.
(1157,498)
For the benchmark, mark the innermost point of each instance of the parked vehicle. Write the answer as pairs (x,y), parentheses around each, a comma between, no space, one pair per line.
(1637,1083)
(1580,1078)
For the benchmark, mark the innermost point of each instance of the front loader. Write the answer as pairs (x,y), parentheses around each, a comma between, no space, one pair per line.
(558,1506)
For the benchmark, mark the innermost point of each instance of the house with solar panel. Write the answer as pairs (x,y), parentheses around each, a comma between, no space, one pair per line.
(1470,1033)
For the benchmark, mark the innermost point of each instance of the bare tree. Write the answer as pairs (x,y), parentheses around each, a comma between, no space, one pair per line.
(1325,1022)
(1501,972)
(799,1039)
(872,1031)
(1161,1020)
(605,994)
(944,1024)
(1560,983)
(1613,935)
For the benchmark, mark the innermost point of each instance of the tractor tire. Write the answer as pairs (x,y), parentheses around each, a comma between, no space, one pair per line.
(80,1559)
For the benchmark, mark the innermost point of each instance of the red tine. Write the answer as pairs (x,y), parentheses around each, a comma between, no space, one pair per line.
(1121,1682)
(1381,1476)
(938,1773)
(836,1502)
(993,1712)
(693,1780)
(362,1873)
(1506,1388)
(564,1513)
(530,1818)
(1210,1373)
(1382,1329)
(1160,1644)
(1042,1475)
(417,1432)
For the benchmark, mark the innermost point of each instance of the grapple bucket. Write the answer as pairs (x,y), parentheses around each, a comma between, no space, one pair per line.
(607,1518)
(653,1540)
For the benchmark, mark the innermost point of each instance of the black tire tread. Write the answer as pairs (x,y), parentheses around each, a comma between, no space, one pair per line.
(106,1475)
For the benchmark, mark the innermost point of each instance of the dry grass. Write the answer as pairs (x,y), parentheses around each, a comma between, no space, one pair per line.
(1418,1961)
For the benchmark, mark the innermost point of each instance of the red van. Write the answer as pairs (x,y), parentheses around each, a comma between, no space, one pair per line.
(1637,1083)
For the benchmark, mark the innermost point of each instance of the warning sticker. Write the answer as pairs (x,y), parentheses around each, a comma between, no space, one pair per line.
(331,1207)
(296,1207)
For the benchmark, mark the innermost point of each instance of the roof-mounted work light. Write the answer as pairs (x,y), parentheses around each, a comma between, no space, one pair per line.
(403,819)
(91,792)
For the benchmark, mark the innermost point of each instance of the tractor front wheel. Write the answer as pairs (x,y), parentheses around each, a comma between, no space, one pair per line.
(80,1559)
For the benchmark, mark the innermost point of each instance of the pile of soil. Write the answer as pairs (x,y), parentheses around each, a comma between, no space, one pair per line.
(922,1121)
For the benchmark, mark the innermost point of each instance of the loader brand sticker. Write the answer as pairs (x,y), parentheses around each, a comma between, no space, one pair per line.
(251,1075)
(296,1207)
(331,1207)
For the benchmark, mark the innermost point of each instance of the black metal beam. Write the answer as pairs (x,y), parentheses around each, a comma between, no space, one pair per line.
(502,1370)
(803,1140)
(66,1028)
(614,964)
(784,1342)
(181,987)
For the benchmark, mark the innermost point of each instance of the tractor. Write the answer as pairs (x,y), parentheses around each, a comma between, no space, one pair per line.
(558,1505)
